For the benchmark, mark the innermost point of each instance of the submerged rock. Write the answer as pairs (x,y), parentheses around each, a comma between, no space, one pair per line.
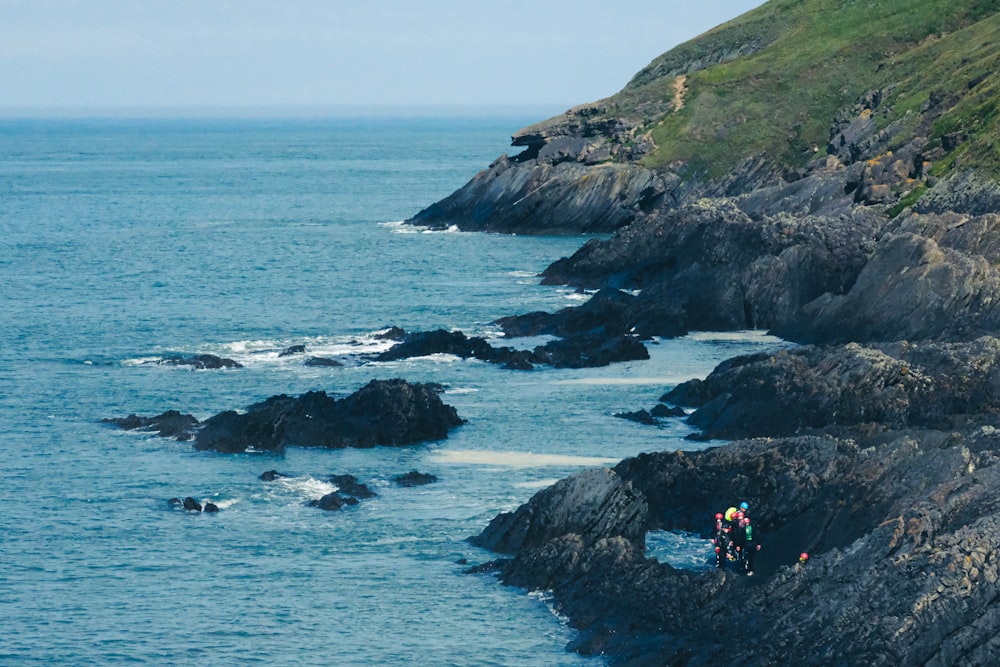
(202,362)
(170,424)
(414,478)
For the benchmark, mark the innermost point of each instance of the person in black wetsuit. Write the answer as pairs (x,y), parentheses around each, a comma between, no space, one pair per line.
(738,537)
(720,537)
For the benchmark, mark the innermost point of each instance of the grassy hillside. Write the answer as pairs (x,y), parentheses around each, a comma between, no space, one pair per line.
(774,79)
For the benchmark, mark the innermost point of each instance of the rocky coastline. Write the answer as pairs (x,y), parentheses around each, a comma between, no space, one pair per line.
(871,444)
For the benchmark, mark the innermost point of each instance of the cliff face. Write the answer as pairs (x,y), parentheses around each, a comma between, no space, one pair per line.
(873,104)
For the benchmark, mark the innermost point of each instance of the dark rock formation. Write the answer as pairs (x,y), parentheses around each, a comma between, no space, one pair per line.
(383,412)
(201,362)
(414,478)
(351,486)
(933,276)
(597,347)
(929,384)
(323,362)
(591,350)
(900,527)
(329,502)
(210,507)
(639,417)
(191,504)
(170,424)
(662,411)
(271,475)
(710,266)
(292,350)
(391,333)
(551,193)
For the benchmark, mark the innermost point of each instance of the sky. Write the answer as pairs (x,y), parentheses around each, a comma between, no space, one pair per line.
(131,56)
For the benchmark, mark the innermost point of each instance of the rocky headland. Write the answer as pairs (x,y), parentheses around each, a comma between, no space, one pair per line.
(829,173)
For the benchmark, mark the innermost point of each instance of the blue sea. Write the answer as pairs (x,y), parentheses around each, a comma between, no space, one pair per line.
(123,242)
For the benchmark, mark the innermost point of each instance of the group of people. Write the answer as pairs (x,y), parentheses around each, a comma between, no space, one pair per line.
(734,540)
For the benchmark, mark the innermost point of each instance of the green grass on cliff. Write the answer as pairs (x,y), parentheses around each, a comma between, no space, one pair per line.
(783,71)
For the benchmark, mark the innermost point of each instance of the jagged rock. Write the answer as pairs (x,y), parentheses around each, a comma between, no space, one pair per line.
(391,333)
(591,505)
(639,416)
(549,195)
(900,527)
(383,412)
(291,350)
(271,475)
(414,478)
(934,276)
(663,411)
(591,350)
(351,486)
(596,348)
(170,424)
(608,311)
(425,343)
(936,385)
(202,362)
(709,266)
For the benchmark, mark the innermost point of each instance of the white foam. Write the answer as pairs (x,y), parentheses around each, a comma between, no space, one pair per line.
(459,391)
(307,487)
(519,459)
(141,361)
(222,504)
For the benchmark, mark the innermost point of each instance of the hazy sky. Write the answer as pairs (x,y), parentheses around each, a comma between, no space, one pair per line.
(110,54)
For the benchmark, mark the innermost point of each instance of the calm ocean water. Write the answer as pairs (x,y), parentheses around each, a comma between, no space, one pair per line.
(125,241)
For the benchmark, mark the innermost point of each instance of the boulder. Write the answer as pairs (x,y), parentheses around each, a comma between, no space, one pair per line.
(383,412)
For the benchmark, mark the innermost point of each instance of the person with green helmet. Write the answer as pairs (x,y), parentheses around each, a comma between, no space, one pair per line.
(750,547)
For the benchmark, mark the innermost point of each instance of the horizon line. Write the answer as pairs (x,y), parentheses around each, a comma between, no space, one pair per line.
(275,112)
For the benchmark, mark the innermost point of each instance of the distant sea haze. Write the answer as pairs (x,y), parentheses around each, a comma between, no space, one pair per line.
(126,241)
